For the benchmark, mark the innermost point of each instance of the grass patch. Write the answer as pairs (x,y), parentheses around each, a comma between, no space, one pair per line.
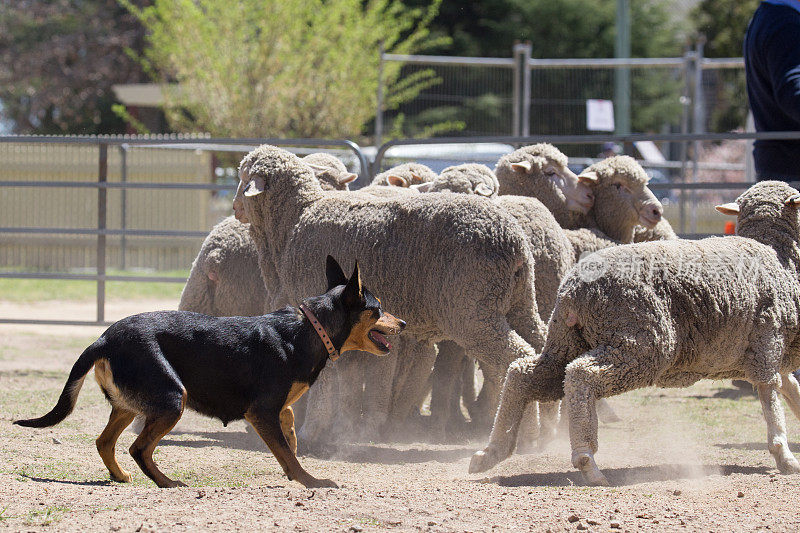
(33,290)
(47,516)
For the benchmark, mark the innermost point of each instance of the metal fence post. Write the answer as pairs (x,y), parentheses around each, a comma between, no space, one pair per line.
(102,179)
(686,99)
(123,152)
(521,123)
(698,124)
(379,110)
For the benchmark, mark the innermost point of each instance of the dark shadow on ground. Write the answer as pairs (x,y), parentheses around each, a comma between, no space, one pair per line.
(758,446)
(99,483)
(237,440)
(727,394)
(356,452)
(367,453)
(620,477)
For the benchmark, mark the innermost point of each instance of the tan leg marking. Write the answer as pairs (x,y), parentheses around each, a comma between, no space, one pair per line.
(142,448)
(268,428)
(287,426)
(117,422)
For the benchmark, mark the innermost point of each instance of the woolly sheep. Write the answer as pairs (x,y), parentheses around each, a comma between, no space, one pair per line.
(405,175)
(722,307)
(469,178)
(224,278)
(662,231)
(540,171)
(484,298)
(363,415)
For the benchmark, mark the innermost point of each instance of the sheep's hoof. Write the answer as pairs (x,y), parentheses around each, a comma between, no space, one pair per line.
(789,467)
(482,461)
(584,462)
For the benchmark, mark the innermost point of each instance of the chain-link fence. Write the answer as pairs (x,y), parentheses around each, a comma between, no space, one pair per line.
(524,96)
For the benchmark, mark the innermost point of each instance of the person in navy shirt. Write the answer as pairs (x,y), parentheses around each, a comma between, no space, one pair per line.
(772,67)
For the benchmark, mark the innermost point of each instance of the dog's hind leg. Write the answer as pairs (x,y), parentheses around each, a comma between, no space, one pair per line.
(268,426)
(156,425)
(287,426)
(117,422)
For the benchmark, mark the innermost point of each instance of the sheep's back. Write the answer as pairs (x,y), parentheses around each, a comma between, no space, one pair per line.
(707,301)
(421,255)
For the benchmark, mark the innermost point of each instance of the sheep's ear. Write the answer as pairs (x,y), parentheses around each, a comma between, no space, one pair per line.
(521,167)
(731,208)
(334,273)
(353,292)
(422,187)
(589,176)
(347,178)
(416,178)
(317,168)
(255,187)
(793,200)
(396,181)
(483,190)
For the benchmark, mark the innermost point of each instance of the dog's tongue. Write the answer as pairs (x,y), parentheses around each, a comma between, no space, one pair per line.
(381,338)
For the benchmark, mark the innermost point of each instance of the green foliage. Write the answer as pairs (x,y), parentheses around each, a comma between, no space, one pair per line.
(556,29)
(256,68)
(724,24)
(58,62)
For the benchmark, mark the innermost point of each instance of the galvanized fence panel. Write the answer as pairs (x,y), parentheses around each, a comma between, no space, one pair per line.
(71,208)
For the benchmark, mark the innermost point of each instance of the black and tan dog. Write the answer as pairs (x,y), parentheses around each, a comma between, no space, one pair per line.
(230,368)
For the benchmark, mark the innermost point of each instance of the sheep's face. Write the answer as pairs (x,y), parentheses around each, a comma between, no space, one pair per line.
(770,201)
(541,169)
(622,197)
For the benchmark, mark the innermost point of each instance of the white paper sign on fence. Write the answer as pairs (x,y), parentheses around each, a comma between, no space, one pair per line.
(599,115)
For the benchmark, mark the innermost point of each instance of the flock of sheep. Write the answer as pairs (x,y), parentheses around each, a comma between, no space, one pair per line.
(485,267)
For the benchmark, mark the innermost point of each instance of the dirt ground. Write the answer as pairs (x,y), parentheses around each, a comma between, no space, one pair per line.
(681,459)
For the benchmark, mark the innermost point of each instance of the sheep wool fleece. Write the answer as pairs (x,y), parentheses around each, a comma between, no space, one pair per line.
(482,295)
(718,308)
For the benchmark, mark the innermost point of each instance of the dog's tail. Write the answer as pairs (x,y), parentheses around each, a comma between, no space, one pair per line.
(66,402)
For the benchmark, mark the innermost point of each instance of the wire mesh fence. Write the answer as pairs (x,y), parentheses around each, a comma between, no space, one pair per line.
(481,96)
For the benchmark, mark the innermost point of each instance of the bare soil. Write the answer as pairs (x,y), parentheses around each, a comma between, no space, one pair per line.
(681,459)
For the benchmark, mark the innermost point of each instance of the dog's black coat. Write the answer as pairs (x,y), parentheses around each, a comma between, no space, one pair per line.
(226,367)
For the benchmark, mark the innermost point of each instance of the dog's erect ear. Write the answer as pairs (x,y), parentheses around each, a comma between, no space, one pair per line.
(334,273)
(353,291)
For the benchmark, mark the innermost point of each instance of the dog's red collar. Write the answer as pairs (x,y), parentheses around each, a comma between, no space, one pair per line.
(333,353)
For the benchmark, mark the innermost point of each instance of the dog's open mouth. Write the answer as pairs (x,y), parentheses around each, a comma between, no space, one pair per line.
(380,341)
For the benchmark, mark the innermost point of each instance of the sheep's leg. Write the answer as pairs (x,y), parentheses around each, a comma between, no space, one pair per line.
(468,386)
(776,429)
(315,433)
(791,391)
(548,416)
(351,370)
(411,385)
(514,397)
(529,429)
(377,399)
(446,387)
(589,378)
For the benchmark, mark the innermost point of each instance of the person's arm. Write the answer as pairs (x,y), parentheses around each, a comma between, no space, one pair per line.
(783,65)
